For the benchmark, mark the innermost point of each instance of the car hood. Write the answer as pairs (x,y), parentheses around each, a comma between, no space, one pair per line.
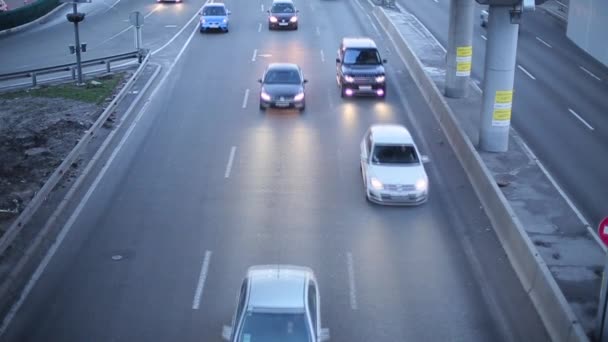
(286,16)
(362,70)
(399,175)
(282,89)
(214,18)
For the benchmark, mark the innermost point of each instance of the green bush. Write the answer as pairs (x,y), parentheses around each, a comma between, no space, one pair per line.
(26,14)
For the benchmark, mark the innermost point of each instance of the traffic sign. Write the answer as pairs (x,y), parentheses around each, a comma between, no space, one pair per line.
(136,19)
(603,230)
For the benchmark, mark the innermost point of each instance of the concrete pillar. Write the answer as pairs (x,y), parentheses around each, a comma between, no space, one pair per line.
(501,50)
(460,48)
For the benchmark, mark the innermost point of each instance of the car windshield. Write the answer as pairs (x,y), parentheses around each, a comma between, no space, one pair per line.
(395,154)
(282,8)
(214,10)
(361,56)
(272,327)
(282,77)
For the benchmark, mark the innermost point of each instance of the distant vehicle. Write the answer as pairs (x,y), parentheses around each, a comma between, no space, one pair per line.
(214,16)
(277,303)
(392,168)
(282,87)
(484,18)
(359,68)
(176,1)
(282,14)
(3,6)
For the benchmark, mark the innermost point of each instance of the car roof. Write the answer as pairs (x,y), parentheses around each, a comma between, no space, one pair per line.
(282,1)
(391,134)
(215,4)
(277,287)
(358,42)
(283,66)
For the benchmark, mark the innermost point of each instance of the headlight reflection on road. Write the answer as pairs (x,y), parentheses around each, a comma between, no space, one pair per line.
(383,110)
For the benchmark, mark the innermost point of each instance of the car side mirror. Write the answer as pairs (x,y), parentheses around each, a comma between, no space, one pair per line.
(259,80)
(305,81)
(324,334)
(425,159)
(337,60)
(228,12)
(200,13)
(384,61)
(226,332)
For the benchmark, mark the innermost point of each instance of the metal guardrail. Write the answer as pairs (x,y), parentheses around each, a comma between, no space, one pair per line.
(108,60)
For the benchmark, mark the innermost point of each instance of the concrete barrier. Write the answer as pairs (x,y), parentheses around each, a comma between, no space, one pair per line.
(549,301)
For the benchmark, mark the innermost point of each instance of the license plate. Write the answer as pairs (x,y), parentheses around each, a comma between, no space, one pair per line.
(282,104)
(283,24)
(366,88)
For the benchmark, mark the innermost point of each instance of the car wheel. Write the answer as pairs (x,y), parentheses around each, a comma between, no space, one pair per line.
(342,93)
(295,27)
(262,108)
(301,109)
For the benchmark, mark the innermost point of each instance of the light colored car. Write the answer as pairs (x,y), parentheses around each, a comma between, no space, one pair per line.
(392,167)
(214,16)
(277,303)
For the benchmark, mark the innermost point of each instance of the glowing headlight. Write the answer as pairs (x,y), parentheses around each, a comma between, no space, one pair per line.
(380,79)
(422,184)
(273,19)
(293,19)
(349,79)
(265,96)
(376,184)
(299,97)
(202,21)
(224,20)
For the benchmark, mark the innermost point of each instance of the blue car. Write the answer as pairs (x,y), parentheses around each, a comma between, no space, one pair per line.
(214,16)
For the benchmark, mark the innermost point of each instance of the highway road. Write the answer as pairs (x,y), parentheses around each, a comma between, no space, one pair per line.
(206,185)
(560,102)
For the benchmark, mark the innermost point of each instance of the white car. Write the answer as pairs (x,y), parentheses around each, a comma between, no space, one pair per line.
(392,168)
(277,303)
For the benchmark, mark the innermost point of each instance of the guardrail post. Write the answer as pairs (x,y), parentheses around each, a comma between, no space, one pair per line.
(34,79)
(108,67)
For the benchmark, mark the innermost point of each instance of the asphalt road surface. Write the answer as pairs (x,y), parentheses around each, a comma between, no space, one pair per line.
(560,103)
(207,185)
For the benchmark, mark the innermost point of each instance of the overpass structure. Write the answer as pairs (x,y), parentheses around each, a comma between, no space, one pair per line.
(587,27)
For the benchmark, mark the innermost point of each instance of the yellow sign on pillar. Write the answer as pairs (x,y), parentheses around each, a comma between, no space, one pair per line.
(503,103)
(464,55)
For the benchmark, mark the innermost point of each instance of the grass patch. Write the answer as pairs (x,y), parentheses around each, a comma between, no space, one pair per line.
(88,93)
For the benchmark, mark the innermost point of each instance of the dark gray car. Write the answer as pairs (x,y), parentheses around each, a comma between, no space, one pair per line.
(282,15)
(282,87)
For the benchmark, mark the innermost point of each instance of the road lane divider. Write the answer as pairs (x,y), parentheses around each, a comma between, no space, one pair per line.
(196,302)
(322,56)
(525,71)
(589,73)
(350,268)
(230,161)
(580,119)
(245,98)
(544,42)
(255,53)
(532,271)
(484,37)
(260,27)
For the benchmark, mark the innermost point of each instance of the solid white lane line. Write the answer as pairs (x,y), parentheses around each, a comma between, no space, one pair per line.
(351,280)
(484,37)
(151,12)
(196,302)
(544,42)
(589,72)
(260,27)
(322,56)
(255,53)
(68,225)
(318,31)
(230,160)
(580,118)
(526,72)
(245,98)
(358,4)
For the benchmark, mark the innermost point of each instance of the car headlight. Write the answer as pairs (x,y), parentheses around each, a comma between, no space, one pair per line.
(265,96)
(376,184)
(349,79)
(422,184)
(380,79)
(202,21)
(224,20)
(299,97)
(273,19)
(293,19)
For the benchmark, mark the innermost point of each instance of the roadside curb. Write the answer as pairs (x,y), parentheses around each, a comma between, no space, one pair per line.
(532,271)
(32,23)
(20,274)
(556,14)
